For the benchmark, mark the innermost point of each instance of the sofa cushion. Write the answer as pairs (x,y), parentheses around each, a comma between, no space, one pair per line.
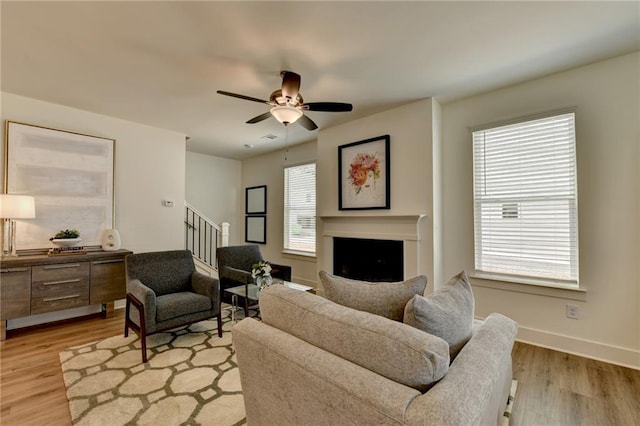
(446,313)
(384,299)
(394,350)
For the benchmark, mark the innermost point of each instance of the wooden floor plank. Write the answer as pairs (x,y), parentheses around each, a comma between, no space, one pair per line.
(554,388)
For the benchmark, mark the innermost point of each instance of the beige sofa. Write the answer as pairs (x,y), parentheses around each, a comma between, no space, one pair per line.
(314,362)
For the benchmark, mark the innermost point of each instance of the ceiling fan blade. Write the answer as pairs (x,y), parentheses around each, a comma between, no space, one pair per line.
(307,123)
(246,98)
(328,106)
(259,118)
(290,85)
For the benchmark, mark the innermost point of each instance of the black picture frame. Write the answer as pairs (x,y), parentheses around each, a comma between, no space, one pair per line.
(255,200)
(255,229)
(364,170)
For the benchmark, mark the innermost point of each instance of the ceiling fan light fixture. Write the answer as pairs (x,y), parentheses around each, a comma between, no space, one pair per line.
(286,114)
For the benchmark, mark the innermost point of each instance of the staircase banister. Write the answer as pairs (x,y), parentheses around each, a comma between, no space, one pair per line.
(203,216)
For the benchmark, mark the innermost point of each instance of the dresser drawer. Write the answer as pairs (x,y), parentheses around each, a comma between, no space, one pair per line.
(60,280)
(59,287)
(40,305)
(60,271)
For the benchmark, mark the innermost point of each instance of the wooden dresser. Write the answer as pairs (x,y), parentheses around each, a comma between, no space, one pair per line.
(31,285)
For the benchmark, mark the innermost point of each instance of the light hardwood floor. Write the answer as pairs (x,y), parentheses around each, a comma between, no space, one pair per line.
(554,388)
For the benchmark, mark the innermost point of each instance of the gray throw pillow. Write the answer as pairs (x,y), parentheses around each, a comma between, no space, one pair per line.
(446,313)
(384,299)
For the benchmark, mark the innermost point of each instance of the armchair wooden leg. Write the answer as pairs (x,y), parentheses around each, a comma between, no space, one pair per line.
(219,317)
(141,330)
(126,317)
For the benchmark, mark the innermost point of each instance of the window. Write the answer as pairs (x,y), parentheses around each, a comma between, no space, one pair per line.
(300,209)
(525,200)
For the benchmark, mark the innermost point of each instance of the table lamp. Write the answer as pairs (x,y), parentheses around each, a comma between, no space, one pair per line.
(14,207)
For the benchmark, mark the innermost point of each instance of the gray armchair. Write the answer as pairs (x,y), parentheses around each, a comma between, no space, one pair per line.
(167,292)
(235,262)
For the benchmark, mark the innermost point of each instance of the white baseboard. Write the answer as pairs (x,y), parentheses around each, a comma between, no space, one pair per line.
(624,357)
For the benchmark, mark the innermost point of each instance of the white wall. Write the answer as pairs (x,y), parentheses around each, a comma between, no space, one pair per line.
(149,168)
(268,169)
(606,95)
(410,128)
(213,187)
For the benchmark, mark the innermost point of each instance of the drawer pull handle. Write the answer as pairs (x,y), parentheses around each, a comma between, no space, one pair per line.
(15,270)
(75,280)
(53,299)
(102,262)
(72,265)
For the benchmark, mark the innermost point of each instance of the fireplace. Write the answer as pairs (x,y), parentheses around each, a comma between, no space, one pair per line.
(368,259)
(409,231)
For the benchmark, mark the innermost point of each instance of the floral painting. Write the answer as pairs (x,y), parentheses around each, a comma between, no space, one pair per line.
(364,174)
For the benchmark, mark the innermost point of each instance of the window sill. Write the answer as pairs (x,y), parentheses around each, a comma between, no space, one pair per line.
(299,255)
(529,286)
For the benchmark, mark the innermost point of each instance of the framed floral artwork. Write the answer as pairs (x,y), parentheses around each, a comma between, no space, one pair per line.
(363,174)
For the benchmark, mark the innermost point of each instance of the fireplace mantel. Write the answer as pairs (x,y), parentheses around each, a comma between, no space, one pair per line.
(407,228)
(381,227)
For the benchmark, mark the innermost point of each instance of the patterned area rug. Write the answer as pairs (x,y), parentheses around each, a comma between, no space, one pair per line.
(506,415)
(191,378)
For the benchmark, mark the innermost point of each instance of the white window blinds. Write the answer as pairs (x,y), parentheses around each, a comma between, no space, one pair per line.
(300,208)
(525,199)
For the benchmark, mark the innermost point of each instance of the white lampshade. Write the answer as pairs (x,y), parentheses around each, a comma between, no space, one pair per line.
(286,114)
(17,206)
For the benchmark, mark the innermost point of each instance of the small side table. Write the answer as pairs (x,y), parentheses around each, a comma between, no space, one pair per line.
(249,292)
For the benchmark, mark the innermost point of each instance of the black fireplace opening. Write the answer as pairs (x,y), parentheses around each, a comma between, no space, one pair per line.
(368,259)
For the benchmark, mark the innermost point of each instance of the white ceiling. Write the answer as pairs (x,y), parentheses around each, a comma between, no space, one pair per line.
(160,63)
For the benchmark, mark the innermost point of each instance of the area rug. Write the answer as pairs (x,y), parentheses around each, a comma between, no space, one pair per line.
(191,377)
(506,416)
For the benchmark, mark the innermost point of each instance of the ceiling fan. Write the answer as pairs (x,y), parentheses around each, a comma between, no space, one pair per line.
(287,105)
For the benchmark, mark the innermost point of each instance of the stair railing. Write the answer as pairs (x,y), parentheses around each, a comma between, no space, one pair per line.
(203,236)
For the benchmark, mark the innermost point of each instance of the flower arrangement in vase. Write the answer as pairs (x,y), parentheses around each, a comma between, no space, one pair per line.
(261,273)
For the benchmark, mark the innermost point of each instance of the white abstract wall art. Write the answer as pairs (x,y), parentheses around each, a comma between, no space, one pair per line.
(71,176)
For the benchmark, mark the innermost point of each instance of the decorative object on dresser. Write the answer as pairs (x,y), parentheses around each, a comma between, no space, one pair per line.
(111,240)
(364,174)
(38,284)
(14,207)
(66,243)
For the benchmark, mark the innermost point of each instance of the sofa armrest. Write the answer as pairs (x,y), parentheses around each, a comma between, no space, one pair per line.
(238,275)
(280,374)
(476,387)
(148,298)
(206,285)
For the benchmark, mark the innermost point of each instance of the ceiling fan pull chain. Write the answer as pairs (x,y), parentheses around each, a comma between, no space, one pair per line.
(286,142)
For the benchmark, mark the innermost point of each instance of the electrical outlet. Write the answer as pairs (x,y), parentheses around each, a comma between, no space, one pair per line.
(573,311)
